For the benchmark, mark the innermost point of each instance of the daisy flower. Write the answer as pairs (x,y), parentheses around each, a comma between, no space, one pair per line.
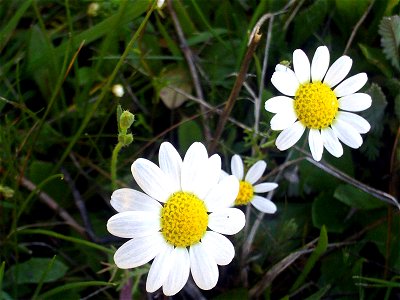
(248,188)
(322,102)
(178,220)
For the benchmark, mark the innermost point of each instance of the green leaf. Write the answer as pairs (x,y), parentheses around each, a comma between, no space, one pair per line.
(308,20)
(375,116)
(318,295)
(316,254)
(12,23)
(74,285)
(188,133)
(375,57)
(326,211)
(205,36)
(42,63)
(32,270)
(356,198)
(389,29)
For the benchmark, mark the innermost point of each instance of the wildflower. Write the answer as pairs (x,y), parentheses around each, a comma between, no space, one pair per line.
(322,103)
(247,187)
(178,220)
(160,3)
(93,9)
(118,90)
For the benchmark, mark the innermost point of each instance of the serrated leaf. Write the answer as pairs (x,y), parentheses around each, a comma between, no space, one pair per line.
(389,29)
(32,271)
(375,116)
(356,198)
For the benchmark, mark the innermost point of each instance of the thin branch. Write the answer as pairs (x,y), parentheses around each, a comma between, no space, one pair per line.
(210,107)
(353,33)
(192,68)
(46,199)
(385,197)
(235,90)
(257,104)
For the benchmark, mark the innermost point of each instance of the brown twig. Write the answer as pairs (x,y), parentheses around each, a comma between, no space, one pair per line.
(235,90)
(190,61)
(46,199)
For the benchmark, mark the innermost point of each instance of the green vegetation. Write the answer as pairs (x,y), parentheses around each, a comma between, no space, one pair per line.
(63,149)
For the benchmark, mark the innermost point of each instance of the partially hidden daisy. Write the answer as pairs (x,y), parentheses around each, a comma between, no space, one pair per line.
(179,219)
(322,102)
(248,188)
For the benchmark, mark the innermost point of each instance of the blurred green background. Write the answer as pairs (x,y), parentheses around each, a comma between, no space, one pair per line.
(333,237)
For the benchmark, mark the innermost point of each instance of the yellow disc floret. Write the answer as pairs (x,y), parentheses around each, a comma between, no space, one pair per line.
(246,193)
(316,105)
(184,219)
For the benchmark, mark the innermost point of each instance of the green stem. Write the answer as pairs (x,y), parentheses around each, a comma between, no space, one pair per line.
(114,159)
(104,91)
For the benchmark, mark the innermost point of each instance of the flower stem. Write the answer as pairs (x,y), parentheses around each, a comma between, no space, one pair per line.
(114,159)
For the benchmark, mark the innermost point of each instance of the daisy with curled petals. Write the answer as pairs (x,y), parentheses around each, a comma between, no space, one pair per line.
(322,102)
(178,220)
(248,188)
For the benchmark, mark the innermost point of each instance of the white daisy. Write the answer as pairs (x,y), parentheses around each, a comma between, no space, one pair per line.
(318,105)
(178,220)
(248,188)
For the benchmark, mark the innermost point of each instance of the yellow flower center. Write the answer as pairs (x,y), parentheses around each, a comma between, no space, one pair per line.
(245,194)
(315,104)
(184,219)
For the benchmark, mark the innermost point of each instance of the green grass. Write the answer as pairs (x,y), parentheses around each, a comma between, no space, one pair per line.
(61,157)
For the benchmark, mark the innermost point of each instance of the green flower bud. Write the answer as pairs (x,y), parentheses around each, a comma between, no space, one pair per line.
(126,120)
(125,139)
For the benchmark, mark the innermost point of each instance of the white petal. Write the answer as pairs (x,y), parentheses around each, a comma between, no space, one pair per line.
(152,180)
(179,272)
(265,187)
(355,102)
(131,224)
(129,200)
(264,205)
(301,66)
(338,71)
(316,144)
(223,194)
(170,163)
(256,171)
(212,177)
(288,137)
(227,221)
(283,120)
(281,68)
(331,142)
(203,267)
(351,85)
(219,247)
(138,251)
(347,134)
(194,168)
(279,104)
(358,123)
(159,269)
(320,63)
(286,82)
(237,166)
